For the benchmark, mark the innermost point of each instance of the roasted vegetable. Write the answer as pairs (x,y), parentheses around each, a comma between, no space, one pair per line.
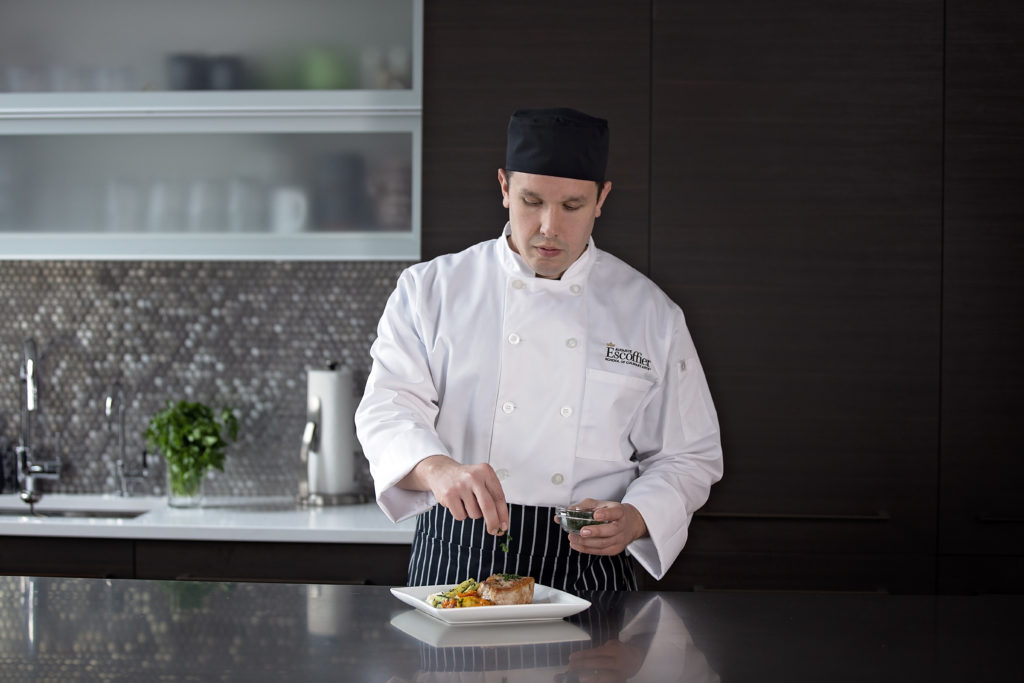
(466,594)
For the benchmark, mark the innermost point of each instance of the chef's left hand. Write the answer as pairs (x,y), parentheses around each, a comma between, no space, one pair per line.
(623,524)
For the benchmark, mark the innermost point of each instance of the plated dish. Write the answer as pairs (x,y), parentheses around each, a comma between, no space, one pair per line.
(548,604)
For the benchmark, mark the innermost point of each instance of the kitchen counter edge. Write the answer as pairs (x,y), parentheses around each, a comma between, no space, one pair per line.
(273,519)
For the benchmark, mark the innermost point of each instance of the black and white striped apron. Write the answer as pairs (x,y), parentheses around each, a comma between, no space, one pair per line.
(446,551)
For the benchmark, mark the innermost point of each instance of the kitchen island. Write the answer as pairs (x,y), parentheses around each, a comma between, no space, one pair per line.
(265,539)
(131,630)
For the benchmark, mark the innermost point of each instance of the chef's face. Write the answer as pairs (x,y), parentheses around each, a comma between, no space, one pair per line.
(551,218)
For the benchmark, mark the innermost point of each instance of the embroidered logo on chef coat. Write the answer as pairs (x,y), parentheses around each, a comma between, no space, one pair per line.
(614,354)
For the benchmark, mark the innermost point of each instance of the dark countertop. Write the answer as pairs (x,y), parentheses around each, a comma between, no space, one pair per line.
(127,630)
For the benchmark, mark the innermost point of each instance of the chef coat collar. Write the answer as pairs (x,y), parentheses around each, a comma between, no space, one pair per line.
(515,265)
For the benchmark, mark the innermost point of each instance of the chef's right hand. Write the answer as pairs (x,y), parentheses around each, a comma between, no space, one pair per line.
(466,490)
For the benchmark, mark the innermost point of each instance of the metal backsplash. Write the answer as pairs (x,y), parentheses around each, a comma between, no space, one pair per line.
(242,334)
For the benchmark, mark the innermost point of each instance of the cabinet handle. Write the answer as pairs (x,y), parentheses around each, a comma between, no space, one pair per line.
(993,518)
(794,516)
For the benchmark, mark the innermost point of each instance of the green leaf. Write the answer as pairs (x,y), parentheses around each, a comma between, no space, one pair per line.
(190,438)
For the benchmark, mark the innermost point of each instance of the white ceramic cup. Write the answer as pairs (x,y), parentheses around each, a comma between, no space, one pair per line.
(247,208)
(289,209)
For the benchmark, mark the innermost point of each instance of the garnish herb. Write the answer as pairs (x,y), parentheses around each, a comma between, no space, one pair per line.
(189,436)
(504,544)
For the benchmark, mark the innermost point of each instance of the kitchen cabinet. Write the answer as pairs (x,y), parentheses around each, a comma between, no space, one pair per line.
(353,563)
(594,57)
(100,558)
(795,217)
(852,572)
(210,130)
(359,563)
(981,512)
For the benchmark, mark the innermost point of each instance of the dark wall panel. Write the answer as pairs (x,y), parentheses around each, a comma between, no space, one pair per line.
(482,60)
(796,198)
(982,491)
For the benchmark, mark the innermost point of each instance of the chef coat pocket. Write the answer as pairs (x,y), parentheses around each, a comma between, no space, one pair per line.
(610,404)
(696,409)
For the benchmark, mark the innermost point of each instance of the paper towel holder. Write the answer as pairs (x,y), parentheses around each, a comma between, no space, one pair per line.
(311,446)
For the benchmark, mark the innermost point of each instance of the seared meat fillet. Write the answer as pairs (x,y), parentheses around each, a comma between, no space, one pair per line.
(507,589)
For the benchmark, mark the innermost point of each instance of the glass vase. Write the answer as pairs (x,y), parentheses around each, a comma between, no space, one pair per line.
(184,488)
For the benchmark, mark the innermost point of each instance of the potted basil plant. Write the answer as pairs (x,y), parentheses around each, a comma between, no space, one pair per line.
(191,439)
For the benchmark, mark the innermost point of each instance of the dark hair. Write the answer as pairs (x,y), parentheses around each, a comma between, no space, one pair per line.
(599,183)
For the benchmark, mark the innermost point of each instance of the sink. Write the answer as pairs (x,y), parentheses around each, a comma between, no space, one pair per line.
(94,514)
(79,506)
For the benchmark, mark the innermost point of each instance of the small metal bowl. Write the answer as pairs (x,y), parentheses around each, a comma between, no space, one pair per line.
(574,519)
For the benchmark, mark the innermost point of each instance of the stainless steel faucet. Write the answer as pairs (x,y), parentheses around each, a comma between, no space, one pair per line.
(29,377)
(116,399)
(30,473)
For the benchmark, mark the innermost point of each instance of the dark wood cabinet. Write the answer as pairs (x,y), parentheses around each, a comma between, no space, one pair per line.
(482,61)
(92,558)
(351,563)
(851,572)
(981,512)
(796,217)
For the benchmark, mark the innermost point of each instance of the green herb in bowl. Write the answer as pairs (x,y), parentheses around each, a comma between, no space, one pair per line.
(573,519)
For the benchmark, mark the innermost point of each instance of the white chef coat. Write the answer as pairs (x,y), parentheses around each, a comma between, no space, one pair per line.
(555,383)
(672,656)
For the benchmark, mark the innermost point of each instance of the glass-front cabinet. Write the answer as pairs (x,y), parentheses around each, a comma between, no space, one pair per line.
(210,129)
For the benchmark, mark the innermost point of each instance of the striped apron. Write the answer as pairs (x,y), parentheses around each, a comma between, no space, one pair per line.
(446,551)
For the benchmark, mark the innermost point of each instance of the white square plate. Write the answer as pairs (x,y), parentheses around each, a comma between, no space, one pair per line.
(548,603)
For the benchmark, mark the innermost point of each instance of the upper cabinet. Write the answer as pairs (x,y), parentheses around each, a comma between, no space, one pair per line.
(210,129)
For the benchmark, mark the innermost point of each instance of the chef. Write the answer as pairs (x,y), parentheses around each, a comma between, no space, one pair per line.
(535,370)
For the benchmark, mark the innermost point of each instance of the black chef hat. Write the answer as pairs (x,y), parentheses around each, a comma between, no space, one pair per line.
(558,142)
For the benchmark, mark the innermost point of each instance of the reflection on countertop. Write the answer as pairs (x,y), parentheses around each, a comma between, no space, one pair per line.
(96,629)
(218,519)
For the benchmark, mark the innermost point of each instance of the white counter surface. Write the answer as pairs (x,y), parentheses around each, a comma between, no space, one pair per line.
(219,519)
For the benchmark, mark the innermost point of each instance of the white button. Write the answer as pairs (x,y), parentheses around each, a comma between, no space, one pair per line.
(557,478)
(518,284)
(508,406)
(571,342)
(502,474)
(575,289)
(566,411)
(513,338)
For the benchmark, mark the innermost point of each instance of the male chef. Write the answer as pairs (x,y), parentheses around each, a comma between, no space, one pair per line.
(535,370)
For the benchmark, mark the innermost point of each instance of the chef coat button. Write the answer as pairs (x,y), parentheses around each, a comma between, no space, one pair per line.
(502,474)
(575,289)
(557,478)
(518,284)
(508,406)
(513,338)
(566,411)
(571,342)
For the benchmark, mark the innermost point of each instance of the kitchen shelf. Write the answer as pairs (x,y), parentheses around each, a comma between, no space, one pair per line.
(67,156)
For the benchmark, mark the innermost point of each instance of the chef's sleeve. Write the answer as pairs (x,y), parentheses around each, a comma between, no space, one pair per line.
(395,418)
(679,454)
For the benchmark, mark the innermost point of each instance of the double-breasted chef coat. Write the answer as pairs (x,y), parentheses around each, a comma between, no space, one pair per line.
(586,386)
